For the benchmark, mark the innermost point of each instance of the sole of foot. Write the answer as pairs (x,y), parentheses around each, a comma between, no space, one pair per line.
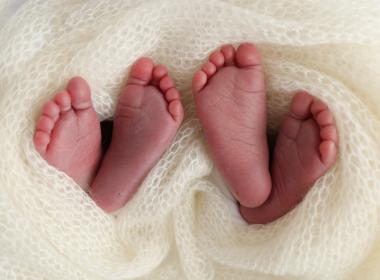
(68,133)
(306,148)
(148,115)
(230,97)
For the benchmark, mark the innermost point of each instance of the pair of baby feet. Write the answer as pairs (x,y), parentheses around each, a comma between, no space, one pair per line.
(230,97)
(148,115)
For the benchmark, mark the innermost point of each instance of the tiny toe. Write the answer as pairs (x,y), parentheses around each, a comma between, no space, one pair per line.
(166,83)
(159,72)
(175,108)
(229,52)
(300,105)
(217,58)
(172,94)
(41,141)
(329,133)
(247,55)
(45,124)
(209,68)
(63,100)
(317,107)
(324,118)
(80,93)
(141,72)
(51,109)
(328,151)
(199,81)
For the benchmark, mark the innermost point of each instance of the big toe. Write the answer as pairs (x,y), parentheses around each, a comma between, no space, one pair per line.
(80,93)
(300,105)
(141,72)
(247,55)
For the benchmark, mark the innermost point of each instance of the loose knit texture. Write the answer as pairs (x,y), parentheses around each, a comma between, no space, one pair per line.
(182,223)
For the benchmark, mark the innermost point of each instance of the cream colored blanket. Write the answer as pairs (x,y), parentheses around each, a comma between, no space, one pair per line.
(183,224)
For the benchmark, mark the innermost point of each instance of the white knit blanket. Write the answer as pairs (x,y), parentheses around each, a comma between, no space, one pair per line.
(183,224)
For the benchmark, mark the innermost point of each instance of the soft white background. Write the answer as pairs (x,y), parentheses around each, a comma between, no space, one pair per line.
(8,8)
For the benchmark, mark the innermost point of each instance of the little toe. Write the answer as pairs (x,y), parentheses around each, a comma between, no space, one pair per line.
(51,109)
(209,68)
(217,58)
(328,150)
(172,94)
(41,141)
(45,124)
(300,105)
(229,53)
(247,55)
(199,81)
(159,72)
(175,109)
(141,72)
(166,83)
(80,93)
(63,100)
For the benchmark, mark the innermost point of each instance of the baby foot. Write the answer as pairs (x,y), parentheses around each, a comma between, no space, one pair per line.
(148,115)
(306,148)
(68,133)
(230,99)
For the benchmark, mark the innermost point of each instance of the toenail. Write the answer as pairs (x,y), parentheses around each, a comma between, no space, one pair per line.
(65,109)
